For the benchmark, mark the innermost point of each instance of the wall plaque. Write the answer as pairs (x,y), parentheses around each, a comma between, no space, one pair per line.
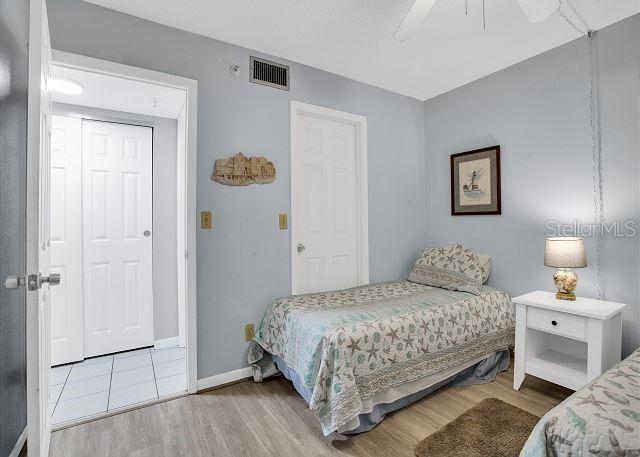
(240,170)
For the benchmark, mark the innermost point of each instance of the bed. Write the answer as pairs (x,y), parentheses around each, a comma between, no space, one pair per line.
(357,354)
(601,419)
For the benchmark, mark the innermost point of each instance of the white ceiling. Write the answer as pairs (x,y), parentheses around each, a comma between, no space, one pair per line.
(119,94)
(354,38)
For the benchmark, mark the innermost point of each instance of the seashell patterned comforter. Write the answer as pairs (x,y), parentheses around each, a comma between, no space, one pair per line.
(348,345)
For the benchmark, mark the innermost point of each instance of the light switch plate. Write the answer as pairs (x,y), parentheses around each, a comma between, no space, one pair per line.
(206,221)
(284,222)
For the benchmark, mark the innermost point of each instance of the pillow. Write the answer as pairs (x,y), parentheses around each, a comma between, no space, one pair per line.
(485,266)
(453,267)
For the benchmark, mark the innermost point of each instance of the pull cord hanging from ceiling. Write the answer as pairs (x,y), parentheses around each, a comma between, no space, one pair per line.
(596,146)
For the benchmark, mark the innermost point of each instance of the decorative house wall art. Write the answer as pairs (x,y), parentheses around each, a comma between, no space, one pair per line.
(475,182)
(240,170)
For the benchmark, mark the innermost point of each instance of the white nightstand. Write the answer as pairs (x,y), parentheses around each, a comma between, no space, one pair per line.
(566,342)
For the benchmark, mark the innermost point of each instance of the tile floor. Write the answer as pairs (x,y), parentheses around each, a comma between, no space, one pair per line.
(112,381)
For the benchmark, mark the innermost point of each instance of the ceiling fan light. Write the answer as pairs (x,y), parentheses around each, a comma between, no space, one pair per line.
(538,10)
(413,19)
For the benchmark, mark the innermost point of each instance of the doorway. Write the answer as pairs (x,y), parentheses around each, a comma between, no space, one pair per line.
(329,231)
(101,238)
(122,320)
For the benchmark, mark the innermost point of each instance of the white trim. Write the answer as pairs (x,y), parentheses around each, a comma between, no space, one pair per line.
(224,378)
(362,194)
(181,226)
(166,343)
(15,452)
(190,86)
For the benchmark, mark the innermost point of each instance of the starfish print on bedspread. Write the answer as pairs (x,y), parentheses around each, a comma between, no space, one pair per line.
(592,400)
(408,341)
(354,345)
(393,334)
(373,352)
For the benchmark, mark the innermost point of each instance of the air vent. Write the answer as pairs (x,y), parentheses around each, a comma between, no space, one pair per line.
(269,73)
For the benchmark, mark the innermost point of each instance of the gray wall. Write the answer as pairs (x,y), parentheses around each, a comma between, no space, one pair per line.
(244,262)
(165,238)
(165,267)
(538,112)
(14,26)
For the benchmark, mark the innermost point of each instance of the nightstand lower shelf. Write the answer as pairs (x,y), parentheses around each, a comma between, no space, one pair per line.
(566,370)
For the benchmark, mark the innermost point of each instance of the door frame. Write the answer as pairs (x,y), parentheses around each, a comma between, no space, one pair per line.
(299,109)
(187,208)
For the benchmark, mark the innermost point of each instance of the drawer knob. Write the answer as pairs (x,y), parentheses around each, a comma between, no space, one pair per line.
(554,323)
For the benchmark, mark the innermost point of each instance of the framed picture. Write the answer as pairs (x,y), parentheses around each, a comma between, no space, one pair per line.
(475,182)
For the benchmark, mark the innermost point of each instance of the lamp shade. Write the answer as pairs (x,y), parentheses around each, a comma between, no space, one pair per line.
(565,252)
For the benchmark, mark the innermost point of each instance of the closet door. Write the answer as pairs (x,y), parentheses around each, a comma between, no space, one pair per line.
(117,215)
(324,204)
(67,326)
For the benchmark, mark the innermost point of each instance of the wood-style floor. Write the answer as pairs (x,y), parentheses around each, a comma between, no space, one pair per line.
(248,419)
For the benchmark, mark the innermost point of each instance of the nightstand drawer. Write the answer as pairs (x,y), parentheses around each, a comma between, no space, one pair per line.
(559,323)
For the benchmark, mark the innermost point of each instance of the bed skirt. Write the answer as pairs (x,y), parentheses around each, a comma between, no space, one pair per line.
(377,407)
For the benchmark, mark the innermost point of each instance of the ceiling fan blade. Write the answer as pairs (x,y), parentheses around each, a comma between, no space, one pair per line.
(538,10)
(413,19)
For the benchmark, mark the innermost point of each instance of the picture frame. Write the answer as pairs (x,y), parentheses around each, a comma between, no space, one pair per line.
(475,182)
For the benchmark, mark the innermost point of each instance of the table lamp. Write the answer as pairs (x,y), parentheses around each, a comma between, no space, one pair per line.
(564,253)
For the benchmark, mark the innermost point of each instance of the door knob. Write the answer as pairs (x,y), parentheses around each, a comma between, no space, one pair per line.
(301,247)
(53,279)
(13,282)
(146,232)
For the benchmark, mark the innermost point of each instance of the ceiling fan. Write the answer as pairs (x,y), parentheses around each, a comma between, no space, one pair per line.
(536,10)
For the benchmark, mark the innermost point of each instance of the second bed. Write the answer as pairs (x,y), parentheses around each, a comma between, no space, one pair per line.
(357,354)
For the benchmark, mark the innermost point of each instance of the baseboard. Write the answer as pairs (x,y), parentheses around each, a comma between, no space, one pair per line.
(15,452)
(166,343)
(224,378)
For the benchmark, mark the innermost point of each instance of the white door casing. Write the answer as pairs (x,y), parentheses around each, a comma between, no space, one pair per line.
(329,230)
(67,324)
(37,233)
(117,238)
(188,178)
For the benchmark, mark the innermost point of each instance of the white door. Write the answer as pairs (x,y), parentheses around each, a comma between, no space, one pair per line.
(37,233)
(67,325)
(325,202)
(117,241)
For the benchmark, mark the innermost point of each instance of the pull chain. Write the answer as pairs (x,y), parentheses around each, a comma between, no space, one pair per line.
(484,17)
(596,145)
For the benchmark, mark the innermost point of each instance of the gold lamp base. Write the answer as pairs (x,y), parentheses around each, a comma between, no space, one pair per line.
(566,282)
(563,296)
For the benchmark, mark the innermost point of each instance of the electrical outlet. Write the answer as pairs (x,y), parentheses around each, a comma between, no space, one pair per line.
(206,220)
(248,332)
(283,221)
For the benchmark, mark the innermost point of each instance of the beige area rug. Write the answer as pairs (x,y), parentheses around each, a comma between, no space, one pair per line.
(492,428)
